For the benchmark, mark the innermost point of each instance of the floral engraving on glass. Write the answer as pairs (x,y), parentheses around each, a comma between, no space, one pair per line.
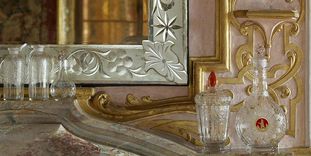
(160,57)
(89,62)
(162,5)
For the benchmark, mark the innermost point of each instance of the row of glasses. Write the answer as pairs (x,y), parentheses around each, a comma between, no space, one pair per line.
(15,68)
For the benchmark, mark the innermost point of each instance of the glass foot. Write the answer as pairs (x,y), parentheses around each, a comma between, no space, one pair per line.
(214,148)
(264,149)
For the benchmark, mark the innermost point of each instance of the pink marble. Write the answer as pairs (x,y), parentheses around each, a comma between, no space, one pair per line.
(202,27)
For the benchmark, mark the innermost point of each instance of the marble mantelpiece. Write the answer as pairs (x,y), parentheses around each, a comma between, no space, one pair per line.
(49,140)
(60,128)
(68,114)
(55,140)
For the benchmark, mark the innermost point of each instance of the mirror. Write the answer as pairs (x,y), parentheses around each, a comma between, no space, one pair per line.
(111,21)
(96,22)
(107,41)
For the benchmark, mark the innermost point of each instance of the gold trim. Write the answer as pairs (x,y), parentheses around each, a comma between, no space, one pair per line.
(66,21)
(285,92)
(177,127)
(222,56)
(273,14)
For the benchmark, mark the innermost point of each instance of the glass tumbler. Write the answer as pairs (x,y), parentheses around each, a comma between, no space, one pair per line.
(39,73)
(13,75)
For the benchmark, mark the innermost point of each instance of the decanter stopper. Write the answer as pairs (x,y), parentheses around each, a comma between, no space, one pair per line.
(212,108)
(212,79)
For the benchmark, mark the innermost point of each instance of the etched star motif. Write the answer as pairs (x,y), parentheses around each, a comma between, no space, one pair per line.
(166,27)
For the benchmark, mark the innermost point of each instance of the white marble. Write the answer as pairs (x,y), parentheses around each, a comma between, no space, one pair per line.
(49,140)
(67,113)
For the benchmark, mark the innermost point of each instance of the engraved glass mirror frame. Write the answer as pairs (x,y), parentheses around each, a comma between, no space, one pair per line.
(161,60)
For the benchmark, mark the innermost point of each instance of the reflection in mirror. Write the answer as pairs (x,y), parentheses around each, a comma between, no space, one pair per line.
(113,21)
(95,21)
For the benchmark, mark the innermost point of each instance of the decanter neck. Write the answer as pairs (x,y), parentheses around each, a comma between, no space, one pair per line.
(61,70)
(260,84)
(62,74)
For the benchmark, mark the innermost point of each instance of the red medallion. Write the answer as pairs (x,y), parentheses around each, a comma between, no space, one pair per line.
(262,124)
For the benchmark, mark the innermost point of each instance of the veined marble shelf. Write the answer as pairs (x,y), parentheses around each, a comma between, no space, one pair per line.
(67,113)
(50,127)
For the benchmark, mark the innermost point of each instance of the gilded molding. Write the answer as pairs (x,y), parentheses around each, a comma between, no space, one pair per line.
(66,22)
(189,133)
(274,14)
(100,106)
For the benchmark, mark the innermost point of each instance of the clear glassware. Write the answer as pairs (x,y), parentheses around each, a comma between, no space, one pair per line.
(213,108)
(261,123)
(39,72)
(13,75)
(63,87)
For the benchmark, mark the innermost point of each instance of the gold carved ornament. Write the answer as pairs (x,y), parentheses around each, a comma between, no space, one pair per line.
(277,89)
(145,109)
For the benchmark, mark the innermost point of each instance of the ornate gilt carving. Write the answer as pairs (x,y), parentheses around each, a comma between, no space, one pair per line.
(101,106)
(189,133)
(143,112)
(132,100)
(277,88)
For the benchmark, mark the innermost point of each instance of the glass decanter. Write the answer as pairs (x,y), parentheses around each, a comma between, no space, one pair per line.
(63,87)
(261,123)
(213,108)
